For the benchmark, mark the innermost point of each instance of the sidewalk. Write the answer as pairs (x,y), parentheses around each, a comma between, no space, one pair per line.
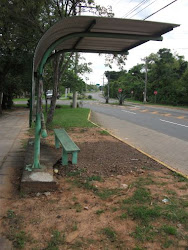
(13,126)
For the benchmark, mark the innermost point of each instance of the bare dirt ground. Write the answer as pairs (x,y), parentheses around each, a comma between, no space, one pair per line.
(114,198)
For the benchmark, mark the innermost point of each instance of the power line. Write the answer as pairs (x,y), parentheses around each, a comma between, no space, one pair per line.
(160,9)
(143,8)
(135,8)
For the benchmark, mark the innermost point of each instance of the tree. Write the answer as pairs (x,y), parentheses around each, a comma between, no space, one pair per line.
(167,73)
(19,34)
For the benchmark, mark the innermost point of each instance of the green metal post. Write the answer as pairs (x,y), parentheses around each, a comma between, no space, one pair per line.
(30,108)
(36,163)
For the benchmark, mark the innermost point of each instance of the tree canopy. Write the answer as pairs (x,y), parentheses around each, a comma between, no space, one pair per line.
(167,74)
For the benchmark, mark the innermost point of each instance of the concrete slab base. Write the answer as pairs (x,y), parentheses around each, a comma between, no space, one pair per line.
(39,180)
(5,244)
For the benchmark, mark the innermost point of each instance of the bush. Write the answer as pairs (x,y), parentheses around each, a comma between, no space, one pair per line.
(90,97)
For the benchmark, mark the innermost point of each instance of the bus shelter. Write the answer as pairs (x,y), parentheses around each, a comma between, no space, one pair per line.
(88,34)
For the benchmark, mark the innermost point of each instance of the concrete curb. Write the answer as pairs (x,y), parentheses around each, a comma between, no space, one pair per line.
(150,156)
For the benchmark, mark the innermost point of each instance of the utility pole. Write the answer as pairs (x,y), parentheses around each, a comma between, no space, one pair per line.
(74,102)
(108,96)
(146,79)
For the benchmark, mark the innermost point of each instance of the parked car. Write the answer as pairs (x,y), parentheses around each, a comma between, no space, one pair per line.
(49,94)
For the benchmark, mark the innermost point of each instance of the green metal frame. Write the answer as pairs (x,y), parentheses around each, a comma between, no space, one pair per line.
(38,129)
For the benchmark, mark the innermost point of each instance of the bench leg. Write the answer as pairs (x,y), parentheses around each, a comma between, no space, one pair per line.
(74,157)
(56,142)
(64,158)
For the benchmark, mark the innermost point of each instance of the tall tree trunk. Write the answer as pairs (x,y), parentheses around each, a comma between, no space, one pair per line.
(1,92)
(1,100)
(57,60)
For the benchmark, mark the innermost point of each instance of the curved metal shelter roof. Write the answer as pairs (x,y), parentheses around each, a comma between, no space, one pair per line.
(87,34)
(97,34)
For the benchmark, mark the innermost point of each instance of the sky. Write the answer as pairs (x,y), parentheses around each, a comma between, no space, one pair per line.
(176,40)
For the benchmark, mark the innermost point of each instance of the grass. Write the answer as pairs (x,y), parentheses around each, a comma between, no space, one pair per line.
(144,233)
(10,214)
(20,99)
(123,216)
(75,226)
(143,213)
(106,193)
(110,233)
(95,178)
(103,132)
(170,230)
(67,117)
(100,211)
(20,240)
(103,193)
(75,173)
(175,212)
(179,177)
(56,240)
(143,181)
(141,195)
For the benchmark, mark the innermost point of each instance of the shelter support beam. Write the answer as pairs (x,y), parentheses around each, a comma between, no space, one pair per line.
(39,129)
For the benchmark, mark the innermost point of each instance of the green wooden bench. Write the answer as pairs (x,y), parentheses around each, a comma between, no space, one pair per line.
(69,147)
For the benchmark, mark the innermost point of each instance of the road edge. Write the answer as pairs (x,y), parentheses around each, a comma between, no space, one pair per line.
(141,151)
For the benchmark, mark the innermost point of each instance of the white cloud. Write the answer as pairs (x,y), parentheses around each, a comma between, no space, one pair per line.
(175,40)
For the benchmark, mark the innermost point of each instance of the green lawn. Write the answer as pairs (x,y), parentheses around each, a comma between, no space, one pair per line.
(20,99)
(67,117)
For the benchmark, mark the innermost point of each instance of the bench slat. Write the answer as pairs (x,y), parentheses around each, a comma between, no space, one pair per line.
(66,141)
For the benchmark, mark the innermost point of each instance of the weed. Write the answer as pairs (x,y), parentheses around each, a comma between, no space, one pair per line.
(171,192)
(110,233)
(75,173)
(106,193)
(95,178)
(84,184)
(184,187)
(173,212)
(184,203)
(144,181)
(20,239)
(56,240)
(75,227)
(104,132)
(145,233)
(167,243)
(123,216)
(114,209)
(144,213)
(10,214)
(170,230)
(180,177)
(74,198)
(77,245)
(78,207)
(87,185)
(99,212)
(138,248)
(141,195)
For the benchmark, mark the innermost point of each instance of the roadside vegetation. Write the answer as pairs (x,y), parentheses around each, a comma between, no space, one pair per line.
(140,215)
(167,75)
(67,117)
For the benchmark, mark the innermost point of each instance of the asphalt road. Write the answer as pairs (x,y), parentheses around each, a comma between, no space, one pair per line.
(167,121)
